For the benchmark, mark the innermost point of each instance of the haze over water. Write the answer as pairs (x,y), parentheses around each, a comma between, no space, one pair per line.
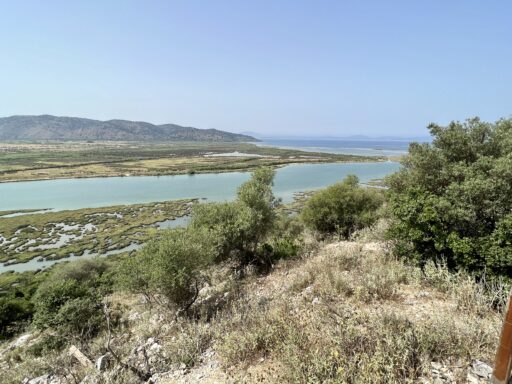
(373,147)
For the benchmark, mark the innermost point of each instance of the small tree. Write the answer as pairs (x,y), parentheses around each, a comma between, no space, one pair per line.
(14,311)
(342,208)
(238,228)
(69,301)
(169,267)
(226,223)
(453,198)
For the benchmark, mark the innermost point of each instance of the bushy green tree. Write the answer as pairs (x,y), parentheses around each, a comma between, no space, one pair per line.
(453,198)
(69,301)
(238,228)
(227,224)
(342,208)
(169,267)
(14,311)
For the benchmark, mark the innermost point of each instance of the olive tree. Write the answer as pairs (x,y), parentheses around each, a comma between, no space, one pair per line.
(69,301)
(168,268)
(238,228)
(342,208)
(452,198)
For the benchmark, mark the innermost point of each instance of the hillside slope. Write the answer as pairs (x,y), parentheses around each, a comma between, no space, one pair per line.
(47,127)
(346,313)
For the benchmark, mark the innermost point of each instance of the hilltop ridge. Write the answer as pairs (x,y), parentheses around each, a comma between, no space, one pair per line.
(48,127)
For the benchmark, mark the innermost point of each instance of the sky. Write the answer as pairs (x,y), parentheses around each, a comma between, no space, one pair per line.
(286,67)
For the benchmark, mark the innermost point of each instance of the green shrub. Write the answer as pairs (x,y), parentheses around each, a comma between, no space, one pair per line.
(238,229)
(169,267)
(69,301)
(14,312)
(46,344)
(286,240)
(342,208)
(227,224)
(452,198)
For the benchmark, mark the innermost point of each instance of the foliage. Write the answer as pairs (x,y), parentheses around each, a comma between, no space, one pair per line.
(169,266)
(46,344)
(238,228)
(226,222)
(14,311)
(342,208)
(286,240)
(70,300)
(453,198)
(16,308)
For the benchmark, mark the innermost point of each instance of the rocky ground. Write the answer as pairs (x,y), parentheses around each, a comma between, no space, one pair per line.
(345,312)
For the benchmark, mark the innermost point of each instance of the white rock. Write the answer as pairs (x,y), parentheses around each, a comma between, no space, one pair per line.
(101,362)
(316,301)
(472,379)
(44,379)
(481,369)
(17,343)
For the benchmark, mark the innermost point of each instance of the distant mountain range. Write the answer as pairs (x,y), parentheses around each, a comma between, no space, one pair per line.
(47,127)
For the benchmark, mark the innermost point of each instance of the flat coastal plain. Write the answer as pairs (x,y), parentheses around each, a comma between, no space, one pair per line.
(23,161)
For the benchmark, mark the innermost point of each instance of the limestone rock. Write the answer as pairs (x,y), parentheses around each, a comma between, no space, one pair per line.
(77,354)
(481,369)
(44,379)
(102,362)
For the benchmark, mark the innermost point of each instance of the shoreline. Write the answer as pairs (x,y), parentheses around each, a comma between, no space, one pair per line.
(202,171)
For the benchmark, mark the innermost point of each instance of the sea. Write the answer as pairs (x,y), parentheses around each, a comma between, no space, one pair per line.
(386,148)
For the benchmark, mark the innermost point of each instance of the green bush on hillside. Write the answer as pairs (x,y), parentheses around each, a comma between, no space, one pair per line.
(342,208)
(169,267)
(286,240)
(452,199)
(69,301)
(14,312)
(238,229)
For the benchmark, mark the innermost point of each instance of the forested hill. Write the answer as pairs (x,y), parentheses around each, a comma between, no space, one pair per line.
(47,127)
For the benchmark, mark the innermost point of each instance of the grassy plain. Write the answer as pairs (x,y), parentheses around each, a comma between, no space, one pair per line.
(42,161)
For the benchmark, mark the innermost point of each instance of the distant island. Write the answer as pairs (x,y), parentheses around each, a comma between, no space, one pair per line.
(47,127)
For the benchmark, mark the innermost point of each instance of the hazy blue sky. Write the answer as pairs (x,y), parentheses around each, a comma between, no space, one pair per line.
(293,67)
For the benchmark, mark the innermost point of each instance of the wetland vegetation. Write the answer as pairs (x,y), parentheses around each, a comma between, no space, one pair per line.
(55,235)
(54,160)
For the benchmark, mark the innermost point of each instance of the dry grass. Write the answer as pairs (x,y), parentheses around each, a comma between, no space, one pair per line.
(349,313)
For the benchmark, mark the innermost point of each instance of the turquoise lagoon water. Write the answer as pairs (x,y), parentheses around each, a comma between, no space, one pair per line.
(100,192)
